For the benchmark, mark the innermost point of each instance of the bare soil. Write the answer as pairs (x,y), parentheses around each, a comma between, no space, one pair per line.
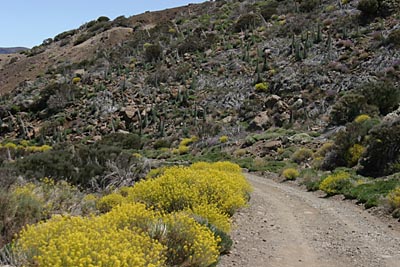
(287,227)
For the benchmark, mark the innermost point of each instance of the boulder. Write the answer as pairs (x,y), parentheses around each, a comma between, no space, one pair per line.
(261,122)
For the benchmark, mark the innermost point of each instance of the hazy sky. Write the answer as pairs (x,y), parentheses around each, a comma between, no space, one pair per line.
(29,22)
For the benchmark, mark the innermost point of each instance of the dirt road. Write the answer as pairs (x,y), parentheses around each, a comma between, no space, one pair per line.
(287,227)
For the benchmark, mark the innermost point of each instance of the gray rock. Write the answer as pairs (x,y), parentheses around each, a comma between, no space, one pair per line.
(261,122)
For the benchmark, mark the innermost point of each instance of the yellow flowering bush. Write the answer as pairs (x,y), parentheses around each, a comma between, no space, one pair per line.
(25,146)
(76,80)
(290,174)
(131,215)
(181,150)
(224,166)
(333,184)
(155,173)
(212,215)
(178,217)
(354,154)
(202,183)
(361,118)
(43,148)
(394,198)
(189,243)
(262,87)
(107,202)
(188,141)
(126,236)
(78,241)
(10,146)
(223,139)
(183,147)
(186,240)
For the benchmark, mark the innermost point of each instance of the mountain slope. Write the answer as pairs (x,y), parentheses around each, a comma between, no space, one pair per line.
(12,50)
(234,68)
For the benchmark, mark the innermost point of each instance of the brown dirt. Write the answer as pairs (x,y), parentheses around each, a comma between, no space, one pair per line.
(287,227)
(28,68)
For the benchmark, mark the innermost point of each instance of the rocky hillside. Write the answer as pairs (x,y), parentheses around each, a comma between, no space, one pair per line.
(222,68)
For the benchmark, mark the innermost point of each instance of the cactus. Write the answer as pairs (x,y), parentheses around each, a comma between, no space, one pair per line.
(258,72)
(161,127)
(293,45)
(140,122)
(318,38)
(297,52)
(265,65)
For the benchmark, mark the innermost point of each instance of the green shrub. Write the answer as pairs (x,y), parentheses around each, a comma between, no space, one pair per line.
(247,21)
(382,156)
(196,42)
(162,143)
(302,155)
(349,106)
(18,208)
(372,192)
(103,19)
(394,38)
(348,145)
(83,38)
(64,35)
(152,52)
(121,21)
(368,7)
(122,140)
(382,94)
(308,5)
(82,165)
(335,183)
(311,179)
(268,10)
(373,8)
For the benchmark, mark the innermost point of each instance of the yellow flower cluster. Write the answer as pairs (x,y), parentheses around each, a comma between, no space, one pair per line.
(394,198)
(223,139)
(212,215)
(189,243)
(354,154)
(87,242)
(223,166)
(219,184)
(169,228)
(290,173)
(361,118)
(188,141)
(262,87)
(335,182)
(24,146)
(107,202)
(184,145)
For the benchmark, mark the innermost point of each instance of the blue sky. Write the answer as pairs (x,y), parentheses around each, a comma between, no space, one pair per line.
(29,22)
